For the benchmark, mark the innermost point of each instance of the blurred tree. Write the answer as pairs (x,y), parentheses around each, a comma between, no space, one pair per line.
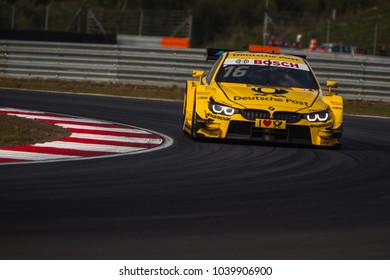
(218,20)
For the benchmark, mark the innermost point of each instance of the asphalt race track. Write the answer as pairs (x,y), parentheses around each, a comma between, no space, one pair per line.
(197,200)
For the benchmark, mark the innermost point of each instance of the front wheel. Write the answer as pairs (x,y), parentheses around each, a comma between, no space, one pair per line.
(195,126)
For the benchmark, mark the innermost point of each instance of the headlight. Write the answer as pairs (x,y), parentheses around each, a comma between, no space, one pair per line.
(221,109)
(318,116)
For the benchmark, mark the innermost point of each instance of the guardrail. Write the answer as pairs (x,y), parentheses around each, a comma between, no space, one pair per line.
(360,77)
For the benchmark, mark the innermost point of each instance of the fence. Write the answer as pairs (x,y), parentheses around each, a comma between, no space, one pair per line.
(360,76)
(71,16)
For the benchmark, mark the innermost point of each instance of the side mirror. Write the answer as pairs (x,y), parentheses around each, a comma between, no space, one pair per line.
(330,85)
(197,73)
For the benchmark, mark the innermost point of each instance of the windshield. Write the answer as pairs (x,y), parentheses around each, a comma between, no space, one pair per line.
(266,75)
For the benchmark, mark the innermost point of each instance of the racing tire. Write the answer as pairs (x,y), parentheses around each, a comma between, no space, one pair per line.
(184,112)
(194,126)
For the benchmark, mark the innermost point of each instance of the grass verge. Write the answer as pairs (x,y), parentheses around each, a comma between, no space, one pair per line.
(16,131)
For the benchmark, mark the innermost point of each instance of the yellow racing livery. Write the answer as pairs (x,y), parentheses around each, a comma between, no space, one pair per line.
(265,97)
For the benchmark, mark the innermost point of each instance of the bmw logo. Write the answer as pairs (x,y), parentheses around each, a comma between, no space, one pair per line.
(271,108)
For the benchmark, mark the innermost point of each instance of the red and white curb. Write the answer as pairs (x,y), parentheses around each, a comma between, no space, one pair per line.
(89,138)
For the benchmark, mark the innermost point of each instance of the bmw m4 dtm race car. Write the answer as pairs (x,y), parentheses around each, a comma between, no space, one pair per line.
(259,96)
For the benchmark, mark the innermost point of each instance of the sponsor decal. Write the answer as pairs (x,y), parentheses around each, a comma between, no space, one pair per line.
(270,98)
(328,124)
(267,123)
(239,61)
(278,123)
(268,62)
(266,56)
(210,115)
(267,90)
(274,62)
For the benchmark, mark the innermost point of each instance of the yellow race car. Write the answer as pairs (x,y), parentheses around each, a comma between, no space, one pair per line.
(267,97)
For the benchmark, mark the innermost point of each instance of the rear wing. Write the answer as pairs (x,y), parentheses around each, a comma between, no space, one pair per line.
(214,54)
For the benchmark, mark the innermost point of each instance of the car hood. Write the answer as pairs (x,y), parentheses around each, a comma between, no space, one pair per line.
(260,97)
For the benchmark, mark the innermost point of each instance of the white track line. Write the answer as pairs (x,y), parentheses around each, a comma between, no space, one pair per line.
(98,128)
(89,147)
(32,156)
(116,138)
